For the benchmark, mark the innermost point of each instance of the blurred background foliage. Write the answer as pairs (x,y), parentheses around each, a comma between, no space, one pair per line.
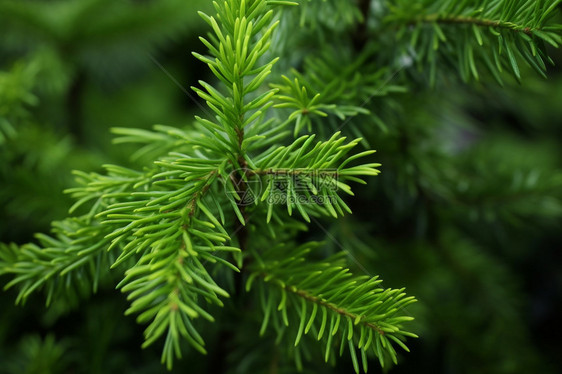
(466,214)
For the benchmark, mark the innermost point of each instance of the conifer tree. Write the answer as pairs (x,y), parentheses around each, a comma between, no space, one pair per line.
(213,225)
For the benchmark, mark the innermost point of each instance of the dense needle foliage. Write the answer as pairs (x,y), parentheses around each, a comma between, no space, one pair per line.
(233,236)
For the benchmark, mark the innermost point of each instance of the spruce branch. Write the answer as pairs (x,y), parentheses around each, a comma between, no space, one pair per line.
(67,264)
(305,172)
(159,219)
(481,22)
(497,34)
(165,226)
(326,94)
(241,38)
(340,306)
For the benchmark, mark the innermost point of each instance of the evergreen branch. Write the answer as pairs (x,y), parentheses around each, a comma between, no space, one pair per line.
(516,15)
(296,96)
(343,312)
(171,228)
(78,246)
(162,209)
(161,223)
(481,22)
(98,189)
(166,285)
(355,309)
(328,92)
(158,217)
(156,143)
(239,40)
(65,264)
(510,30)
(307,176)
